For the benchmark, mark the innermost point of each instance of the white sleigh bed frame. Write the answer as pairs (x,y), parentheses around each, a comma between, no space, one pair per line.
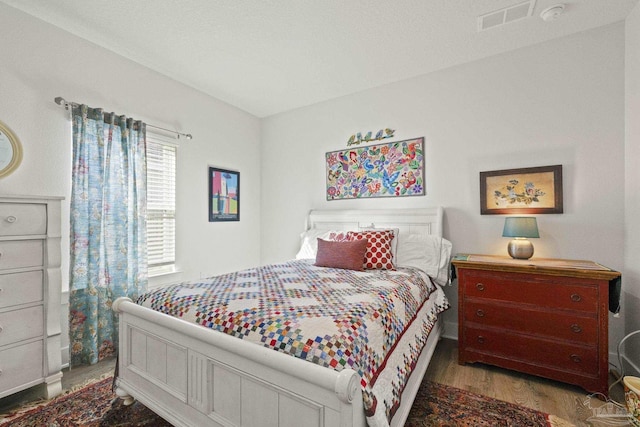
(193,376)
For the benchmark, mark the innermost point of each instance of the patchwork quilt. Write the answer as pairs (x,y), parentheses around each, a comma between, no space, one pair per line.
(374,322)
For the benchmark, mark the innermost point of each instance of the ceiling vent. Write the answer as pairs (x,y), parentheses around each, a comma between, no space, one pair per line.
(506,15)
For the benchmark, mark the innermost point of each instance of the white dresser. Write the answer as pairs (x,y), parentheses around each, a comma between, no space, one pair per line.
(30,286)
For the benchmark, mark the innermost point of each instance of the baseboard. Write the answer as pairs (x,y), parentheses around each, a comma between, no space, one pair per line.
(65,357)
(450,330)
(630,368)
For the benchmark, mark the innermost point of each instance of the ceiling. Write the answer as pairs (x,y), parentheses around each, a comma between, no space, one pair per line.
(271,56)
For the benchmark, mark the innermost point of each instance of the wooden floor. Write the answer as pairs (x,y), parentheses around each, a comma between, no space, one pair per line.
(568,402)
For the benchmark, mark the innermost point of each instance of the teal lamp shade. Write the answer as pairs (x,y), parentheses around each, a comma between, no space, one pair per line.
(520,228)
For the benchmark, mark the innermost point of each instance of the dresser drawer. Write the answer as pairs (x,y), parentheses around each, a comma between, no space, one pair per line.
(20,288)
(19,219)
(21,365)
(545,291)
(538,352)
(21,253)
(526,319)
(19,325)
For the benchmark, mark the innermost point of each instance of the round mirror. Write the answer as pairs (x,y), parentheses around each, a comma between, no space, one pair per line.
(10,151)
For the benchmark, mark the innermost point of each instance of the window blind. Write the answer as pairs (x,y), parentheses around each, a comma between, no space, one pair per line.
(161,202)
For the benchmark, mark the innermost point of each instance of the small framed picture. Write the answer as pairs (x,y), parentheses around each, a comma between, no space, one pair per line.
(224,195)
(536,190)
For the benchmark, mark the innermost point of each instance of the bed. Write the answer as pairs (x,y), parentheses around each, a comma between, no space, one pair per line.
(193,376)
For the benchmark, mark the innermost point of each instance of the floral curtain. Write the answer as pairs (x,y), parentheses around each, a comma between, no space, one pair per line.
(108,227)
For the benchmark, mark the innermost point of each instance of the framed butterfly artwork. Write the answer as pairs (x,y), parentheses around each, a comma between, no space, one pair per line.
(393,169)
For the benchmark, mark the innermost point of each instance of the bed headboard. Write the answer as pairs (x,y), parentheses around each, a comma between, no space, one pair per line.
(408,221)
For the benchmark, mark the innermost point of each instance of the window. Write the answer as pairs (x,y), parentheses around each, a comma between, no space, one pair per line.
(161,204)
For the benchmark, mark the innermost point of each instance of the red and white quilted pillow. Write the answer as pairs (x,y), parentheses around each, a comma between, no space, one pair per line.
(379,255)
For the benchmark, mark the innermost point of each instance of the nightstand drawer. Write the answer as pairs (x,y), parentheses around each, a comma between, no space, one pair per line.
(530,320)
(552,354)
(545,291)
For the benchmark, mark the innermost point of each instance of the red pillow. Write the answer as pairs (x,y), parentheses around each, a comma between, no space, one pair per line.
(348,254)
(379,255)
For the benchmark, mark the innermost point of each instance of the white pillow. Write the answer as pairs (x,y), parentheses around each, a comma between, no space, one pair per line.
(309,241)
(429,253)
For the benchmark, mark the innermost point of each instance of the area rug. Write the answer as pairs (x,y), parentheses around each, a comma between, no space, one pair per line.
(95,405)
(438,405)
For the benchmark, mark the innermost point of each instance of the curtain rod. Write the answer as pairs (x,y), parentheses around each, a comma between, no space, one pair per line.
(67,105)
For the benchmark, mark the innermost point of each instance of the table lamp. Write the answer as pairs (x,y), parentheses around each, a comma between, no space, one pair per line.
(520,228)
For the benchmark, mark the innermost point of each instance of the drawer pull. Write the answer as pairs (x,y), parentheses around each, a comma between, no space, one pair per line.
(480,286)
(576,328)
(11,219)
(480,313)
(576,298)
(575,358)
(480,339)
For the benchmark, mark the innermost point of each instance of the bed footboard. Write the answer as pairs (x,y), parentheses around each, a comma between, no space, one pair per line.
(190,376)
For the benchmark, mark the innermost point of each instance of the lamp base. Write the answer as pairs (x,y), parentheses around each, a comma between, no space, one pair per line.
(520,249)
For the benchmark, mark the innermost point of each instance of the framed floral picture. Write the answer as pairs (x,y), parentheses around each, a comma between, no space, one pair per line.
(536,190)
(224,195)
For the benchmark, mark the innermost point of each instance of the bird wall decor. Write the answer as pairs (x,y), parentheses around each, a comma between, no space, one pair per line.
(357,138)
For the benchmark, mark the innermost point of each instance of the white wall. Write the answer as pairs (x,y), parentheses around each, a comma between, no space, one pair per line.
(631,288)
(560,102)
(40,62)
